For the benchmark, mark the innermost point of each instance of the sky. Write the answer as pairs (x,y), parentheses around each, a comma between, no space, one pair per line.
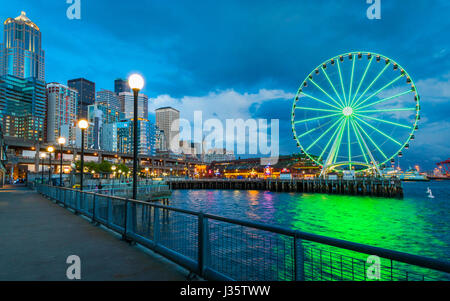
(246,59)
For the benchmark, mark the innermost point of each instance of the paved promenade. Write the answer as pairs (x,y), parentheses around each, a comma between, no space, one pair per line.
(37,236)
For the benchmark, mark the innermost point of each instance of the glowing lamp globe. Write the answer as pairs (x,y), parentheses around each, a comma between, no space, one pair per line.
(83,124)
(62,141)
(50,149)
(136,82)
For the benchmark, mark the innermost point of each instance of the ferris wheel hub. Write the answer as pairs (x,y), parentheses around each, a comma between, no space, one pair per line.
(347,111)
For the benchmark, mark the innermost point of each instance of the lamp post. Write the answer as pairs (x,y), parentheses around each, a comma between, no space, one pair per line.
(61,142)
(136,83)
(113,168)
(50,150)
(42,167)
(83,125)
(146,175)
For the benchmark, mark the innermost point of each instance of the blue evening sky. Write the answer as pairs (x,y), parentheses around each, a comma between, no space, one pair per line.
(246,59)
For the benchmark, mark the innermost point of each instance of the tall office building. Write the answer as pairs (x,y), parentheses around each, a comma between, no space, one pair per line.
(100,115)
(146,134)
(22,80)
(121,85)
(168,120)
(108,99)
(127,105)
(22,55)
(86,94)
(61,109)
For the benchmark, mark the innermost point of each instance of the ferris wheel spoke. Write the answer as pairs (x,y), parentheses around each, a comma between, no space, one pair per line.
(387,110)
(348,142)
(342,82)
(385,121)
(333,87)
(331,139)
(359,141)
(384,99)
(324,133)
(370,139)
(314,109)
(372,83)
(378,131)
(339,141)
(377,92)
(351,81)
(362,80)
(317,118)
(315,84)
(319,100)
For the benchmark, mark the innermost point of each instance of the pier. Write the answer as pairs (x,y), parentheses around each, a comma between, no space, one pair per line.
(380,187)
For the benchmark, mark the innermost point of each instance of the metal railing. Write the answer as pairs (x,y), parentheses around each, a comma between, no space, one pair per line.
(219,248)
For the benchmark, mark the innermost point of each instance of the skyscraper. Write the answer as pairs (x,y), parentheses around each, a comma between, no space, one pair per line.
(127,105)
(22,55)
(100,115)
(86,94)
(61,109)
(22,80)
(168,120)
(121,85)
(108,99)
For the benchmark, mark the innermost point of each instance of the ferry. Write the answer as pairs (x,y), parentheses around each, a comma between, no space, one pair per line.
(412,175)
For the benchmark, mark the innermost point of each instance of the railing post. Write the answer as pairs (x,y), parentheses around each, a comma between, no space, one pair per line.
(110,212)
(125,225)
(156,225)
(93,208)
(299,259)
(203,243)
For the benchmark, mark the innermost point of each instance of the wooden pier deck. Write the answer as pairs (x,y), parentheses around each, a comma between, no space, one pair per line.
(380,187)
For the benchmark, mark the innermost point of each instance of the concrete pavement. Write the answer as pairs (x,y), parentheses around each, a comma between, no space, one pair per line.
(37,236)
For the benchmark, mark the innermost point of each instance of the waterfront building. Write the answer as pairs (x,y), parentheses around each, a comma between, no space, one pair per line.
(127,105)
(21,52)
(108,99)
(61,109)
(218,154)
(86,94)
(168,120)
(23,107)
(121,85)
(98,116)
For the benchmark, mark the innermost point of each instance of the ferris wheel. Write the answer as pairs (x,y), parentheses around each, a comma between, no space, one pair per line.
(356,111)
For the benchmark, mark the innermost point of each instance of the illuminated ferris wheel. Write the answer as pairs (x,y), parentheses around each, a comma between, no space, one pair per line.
(356,111)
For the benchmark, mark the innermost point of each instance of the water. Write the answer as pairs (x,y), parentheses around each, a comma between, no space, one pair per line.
(415,224)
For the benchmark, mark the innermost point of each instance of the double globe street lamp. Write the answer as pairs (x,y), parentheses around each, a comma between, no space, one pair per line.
(136,83)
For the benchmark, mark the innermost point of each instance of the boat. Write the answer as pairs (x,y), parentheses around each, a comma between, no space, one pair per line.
(413,175)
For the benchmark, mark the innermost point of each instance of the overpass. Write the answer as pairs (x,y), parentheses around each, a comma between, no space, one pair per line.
(19,164)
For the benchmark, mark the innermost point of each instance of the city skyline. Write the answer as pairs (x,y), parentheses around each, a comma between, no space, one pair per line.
(261,85)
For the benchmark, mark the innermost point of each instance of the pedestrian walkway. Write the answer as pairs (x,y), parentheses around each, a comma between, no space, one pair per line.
(37,236)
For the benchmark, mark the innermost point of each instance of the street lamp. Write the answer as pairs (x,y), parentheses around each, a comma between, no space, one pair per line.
(50,150)
(83,125)
(61,142)
(42,155)
(136,83)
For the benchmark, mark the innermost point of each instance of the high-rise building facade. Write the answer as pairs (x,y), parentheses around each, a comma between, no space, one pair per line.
(61,109)
(146,134)
(108,99)
(121,85)
(22,55)
(86,94)
(127,105)
(168,120)
(23,107)
(98,116)
(22,80)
